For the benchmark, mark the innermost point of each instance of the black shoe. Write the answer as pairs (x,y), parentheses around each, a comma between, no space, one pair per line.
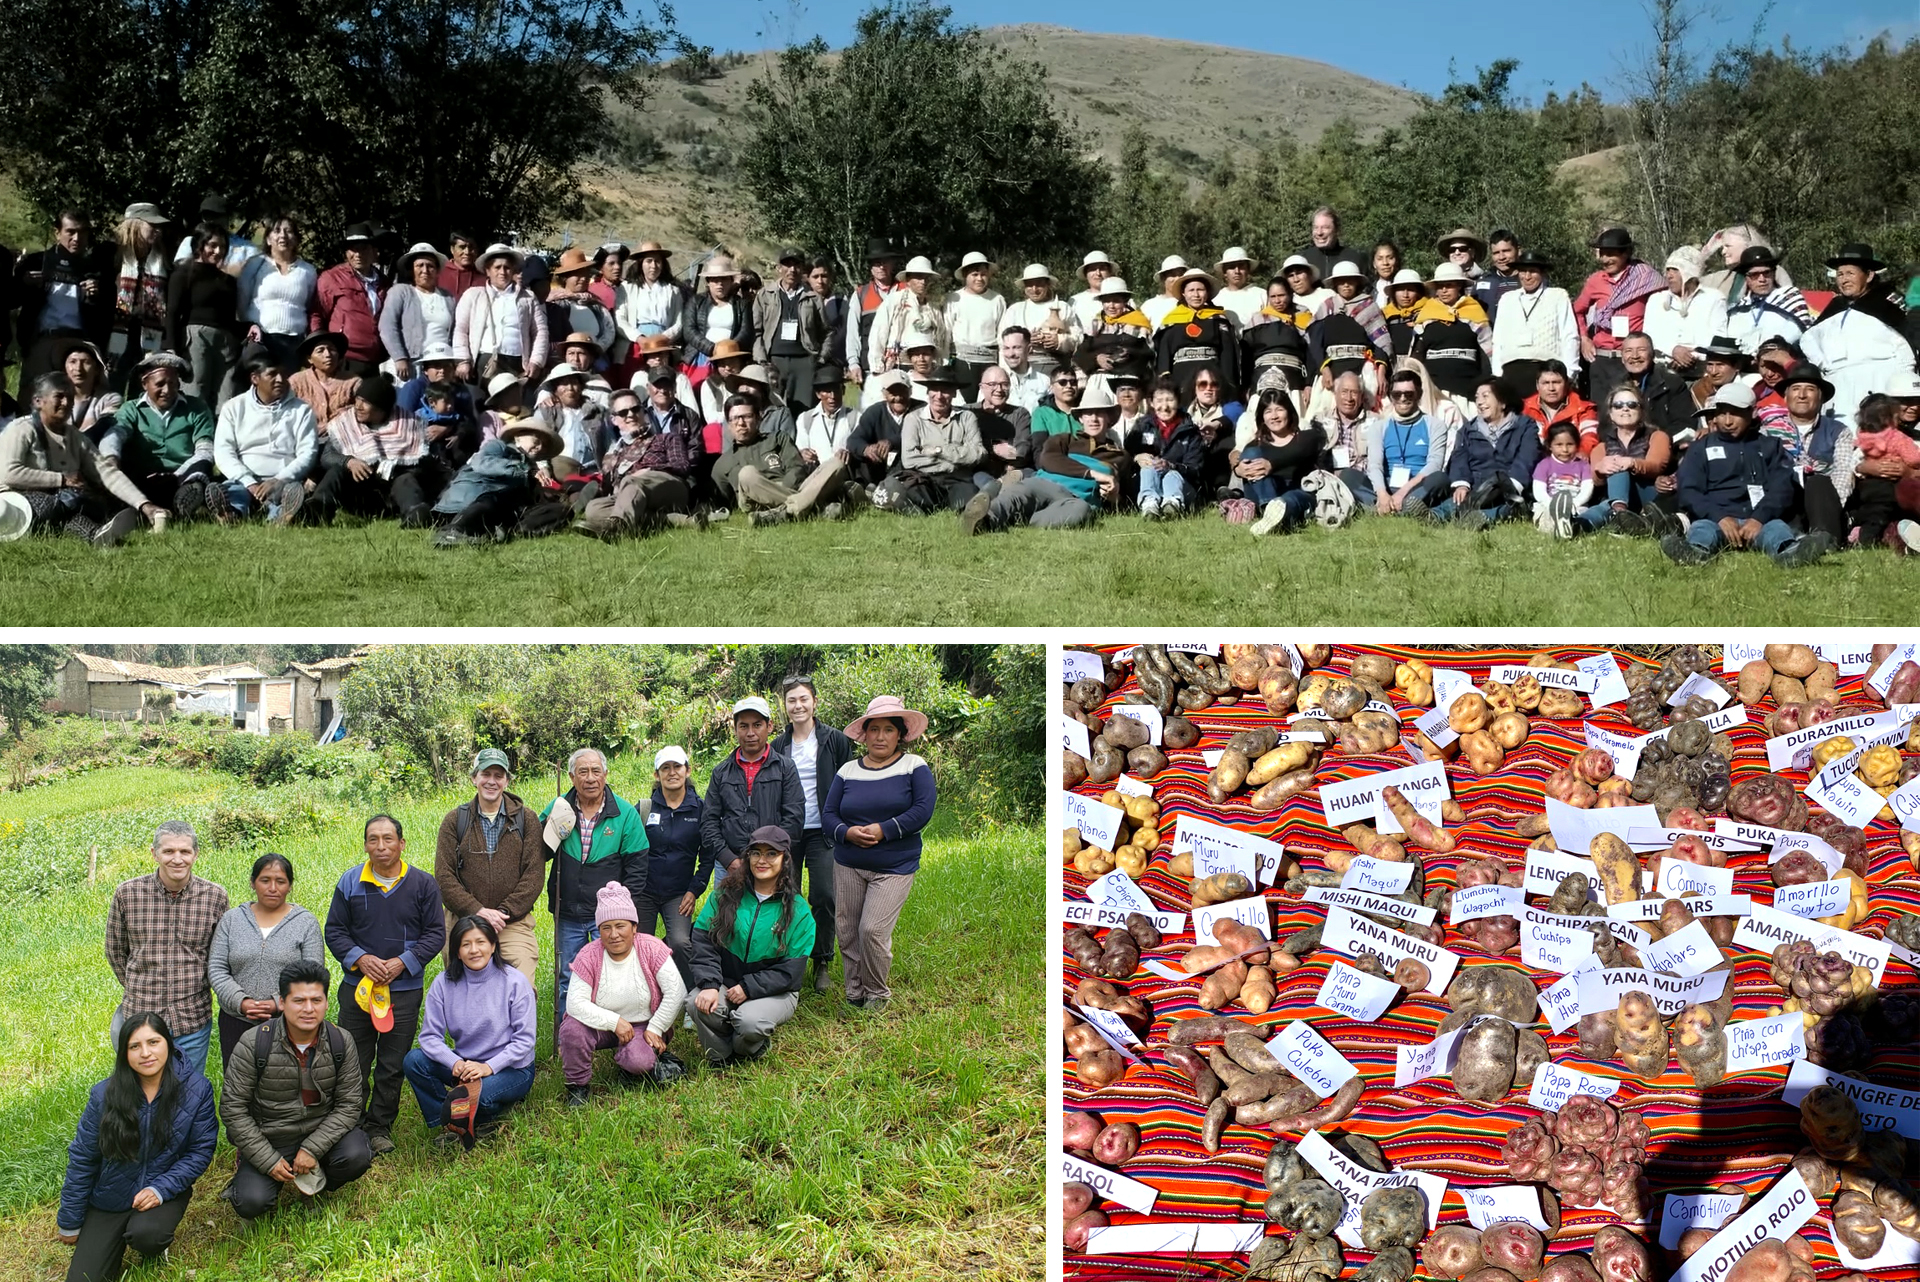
(577,1096)
(974,517)
(875,1005)
(448,537)
(417,518)
(1415,507)
(822,980)
(1804,550)
(190,500)
(1661,523)
(1628,523)
(1681,552)
(1472,518)
(380,1144)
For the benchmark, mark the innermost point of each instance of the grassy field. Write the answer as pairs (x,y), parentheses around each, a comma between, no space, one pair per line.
(904,1146)
(883,570)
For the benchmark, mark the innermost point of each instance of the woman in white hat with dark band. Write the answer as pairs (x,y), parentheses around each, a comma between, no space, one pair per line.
(1046,316)
(973,314)
(418,314)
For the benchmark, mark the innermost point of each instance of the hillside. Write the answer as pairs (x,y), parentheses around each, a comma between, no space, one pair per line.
(672,177)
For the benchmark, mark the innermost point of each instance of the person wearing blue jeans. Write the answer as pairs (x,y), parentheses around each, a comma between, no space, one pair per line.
(477,1025)
(1406,453)
(1276,461)
(1166,446)
(1628,462)
(1736,487)
(1490,455)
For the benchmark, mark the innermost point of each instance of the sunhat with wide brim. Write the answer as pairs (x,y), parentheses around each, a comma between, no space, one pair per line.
(502,383)
(560,372)
(1113,287)
(534,427)
(919,265)
(1037,272)
(16,516)
(1450,274)
(1346,270)
(1235,254)
(973,259)
(498,250)
(1298,263)
(421,250)
(887,705)
(1198,273)
(1098,396)
(1459,235)
(1407,277)
(1095,258)
(580,338)
(1171,265)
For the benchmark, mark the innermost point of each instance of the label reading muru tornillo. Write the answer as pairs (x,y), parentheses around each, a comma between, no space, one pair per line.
(1379,905)
(1358,800)
(1111,1185)
(1190,834)
(1352,934)
(1078,665)
(1549,678)
(1355,993)
(1376,876)
(1099,823)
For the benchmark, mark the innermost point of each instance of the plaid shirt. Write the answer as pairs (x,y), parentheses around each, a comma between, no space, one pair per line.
(157,944)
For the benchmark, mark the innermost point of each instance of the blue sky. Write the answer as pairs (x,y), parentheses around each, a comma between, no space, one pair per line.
(1406,42)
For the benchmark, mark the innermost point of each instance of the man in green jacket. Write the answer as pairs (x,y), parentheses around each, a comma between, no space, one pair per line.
(591,837)
(163,439)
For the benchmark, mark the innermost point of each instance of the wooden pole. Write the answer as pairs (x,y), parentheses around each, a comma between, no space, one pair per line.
(93,864)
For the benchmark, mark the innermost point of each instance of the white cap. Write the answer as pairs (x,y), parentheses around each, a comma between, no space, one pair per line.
(1036,271)
(1346,270)
(668,754)
(918,266)
(1903,385)
(560,822)
(1734,396)
(753,703)
(1408,276)
(1235,254)
(1297,261)
(1172,264)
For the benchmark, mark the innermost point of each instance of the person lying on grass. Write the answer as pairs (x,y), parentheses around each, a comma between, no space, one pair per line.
(750,947)
(625,996)
(478,1030)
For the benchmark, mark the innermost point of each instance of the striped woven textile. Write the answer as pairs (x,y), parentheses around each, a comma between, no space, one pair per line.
(1736,1133)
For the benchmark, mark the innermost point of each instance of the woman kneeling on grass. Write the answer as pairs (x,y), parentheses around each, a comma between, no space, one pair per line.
(625,995)
(477,1029)
(875,809)
(147,1134)
(751,942)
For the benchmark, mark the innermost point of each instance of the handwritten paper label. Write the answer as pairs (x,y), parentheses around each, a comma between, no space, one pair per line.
(1623,748)
(1251,912)
(1128,786)
(1352,934)
(1110,1185)
(1117,890)
(1829,858)
(1191,835)
(1554,1085)
(1699,686)
(1110,1026)
(1448,685)
(1679,878)
(1574,829)
(1560,1003)
(1355,993)
(1485,901)
(1735,655)
(1766,929)
(1882,1108)
(1684,1211)
(1161,1238)
(1813,899)
(1074,737)
(1786,1206)
(1433,724)
(1312,1058)
(1847,798)
(1882,677)
(1147,715)
(1417,1063)
(1504,1204)
(1765,1043)
(1078,665)
(1609,687)
(1905,801)
(1687,952)
(1376,876)
(1099,824)
(1379,905)
(1358,800)
(1557,949)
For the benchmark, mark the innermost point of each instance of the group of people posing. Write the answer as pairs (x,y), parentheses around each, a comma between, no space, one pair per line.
(309,1102)
(485,392)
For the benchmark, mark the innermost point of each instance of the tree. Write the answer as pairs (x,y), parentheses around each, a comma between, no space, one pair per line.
(418,114)
(26,683)
(1661,131)
(420,698)
(920,130)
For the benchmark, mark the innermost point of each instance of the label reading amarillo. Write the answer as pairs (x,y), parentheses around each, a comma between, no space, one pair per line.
(1765,929)
(1814,899)
(1433,724)
(1312,1058)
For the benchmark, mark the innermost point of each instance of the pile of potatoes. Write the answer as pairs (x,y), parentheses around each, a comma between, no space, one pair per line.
(1241,964)
(1277,772)
(1512,1252)
(1487,732)
(1092,1138)
(1392,1221)
(1257,1088)
(1880,767)
(1865,1174)
(1649,688)
(1590,1153)
(1139,837)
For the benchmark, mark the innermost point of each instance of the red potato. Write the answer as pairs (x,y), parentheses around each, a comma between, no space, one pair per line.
(1419,829)
(1517,1248)
(1075,1199)
(1594,765)
(1081,1227)
(1116,1143)
(1078,1130)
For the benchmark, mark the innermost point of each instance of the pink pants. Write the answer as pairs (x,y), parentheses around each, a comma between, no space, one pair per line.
(578,1044)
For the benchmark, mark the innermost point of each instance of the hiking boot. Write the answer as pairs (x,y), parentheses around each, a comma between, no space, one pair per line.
(292,498)
(1472,518)
(577,1096)
(1804,550)
(822,980)
(380,1144)
(1628,523)
(1172,509)
(190,500)
(770,516)
(1681,552)
(1416,508)
(110,534)
(976,516)
(1272,517)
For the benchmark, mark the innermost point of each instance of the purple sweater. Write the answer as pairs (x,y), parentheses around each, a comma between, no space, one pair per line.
(489,1015)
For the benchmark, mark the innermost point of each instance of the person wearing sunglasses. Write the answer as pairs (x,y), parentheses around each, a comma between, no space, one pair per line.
(1406,451)
(1054,416)
(1630,458)
(1770,307)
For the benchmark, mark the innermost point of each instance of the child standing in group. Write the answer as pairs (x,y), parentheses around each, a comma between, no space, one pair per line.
(1167,448)
(1562,483)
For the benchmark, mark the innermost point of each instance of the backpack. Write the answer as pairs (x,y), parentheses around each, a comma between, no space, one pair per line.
(263,1043)
(463,820)
(909,493)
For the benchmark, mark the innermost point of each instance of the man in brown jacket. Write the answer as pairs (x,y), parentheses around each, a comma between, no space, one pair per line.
(489,864)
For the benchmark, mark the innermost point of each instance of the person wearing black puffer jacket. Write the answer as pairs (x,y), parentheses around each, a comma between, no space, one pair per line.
(1736,489)
(817,752)
(1166,446)
(672,819)
(753,787)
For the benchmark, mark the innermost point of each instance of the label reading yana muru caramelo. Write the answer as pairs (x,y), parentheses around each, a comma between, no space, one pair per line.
(1355,993)
(1353,934)
(1786,1206)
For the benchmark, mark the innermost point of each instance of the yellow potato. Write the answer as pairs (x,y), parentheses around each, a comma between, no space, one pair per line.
(1831,750)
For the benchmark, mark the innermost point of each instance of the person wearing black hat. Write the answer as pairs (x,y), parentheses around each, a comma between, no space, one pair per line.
(1858,341)
(1768,307)
(376,460)
(790,330)
(884,256)
(822,430)
(1736,488)
(1611,305)
(1538,326)
(1721,361)
(1821,450)
(942,443)
(348,297)
(265,445)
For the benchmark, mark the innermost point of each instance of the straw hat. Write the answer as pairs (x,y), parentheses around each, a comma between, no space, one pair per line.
(1112,287)
(580,339)
(421,250)
(1346,271)
(719,267)
(1450,274)
(498,250)
(918,266)
(572,263)
(535,428)
(1234,255)
(1459,234)
(1098,396)
(887,705)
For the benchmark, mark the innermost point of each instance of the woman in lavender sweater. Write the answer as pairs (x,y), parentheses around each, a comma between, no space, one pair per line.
(477,1025)
(874,810)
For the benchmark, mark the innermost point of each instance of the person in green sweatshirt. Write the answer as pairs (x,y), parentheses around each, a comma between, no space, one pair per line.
(750,947)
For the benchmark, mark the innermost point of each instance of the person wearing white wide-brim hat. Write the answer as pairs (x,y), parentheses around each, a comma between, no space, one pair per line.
(1238,294)
(1155,309)
(973,313)
(1053,328)
(908,317)
(1118,315)
(1077,475)
(1094,269)
(417,313)
(1310,293)
(500,326)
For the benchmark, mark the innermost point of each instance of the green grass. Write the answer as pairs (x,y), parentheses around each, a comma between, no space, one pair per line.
(883,570)
(907,1146)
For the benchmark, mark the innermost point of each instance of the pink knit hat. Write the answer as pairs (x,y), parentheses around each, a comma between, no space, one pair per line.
(615,904)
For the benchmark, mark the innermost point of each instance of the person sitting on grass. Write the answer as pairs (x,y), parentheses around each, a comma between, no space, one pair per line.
(1078,476)
(265,445)
(252,944)
(1881,437)
(1633,461)
(504,490)
(941,443)
(625,997)
(760,471)
(750,947)
(1737,487)
(1562,484)
(477,1029)
(290,1100)
(376,462)
(1406,450)
(1273,465)
(874,811)
(1490,452)
(644,471)
(163,439)
(321,380)
(147,1134)
(1167,448)
(48,462)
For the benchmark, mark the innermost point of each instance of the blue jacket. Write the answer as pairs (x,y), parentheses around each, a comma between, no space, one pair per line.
(111,1186)
(673,845)
(1717,470)
(494,469)
(1476,456)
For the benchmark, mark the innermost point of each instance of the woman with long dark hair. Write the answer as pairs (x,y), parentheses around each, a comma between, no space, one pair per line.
(875,810)
(203,306)
(251,946)
(147,1134)
(1276,461)
(477,1028)
(751,942)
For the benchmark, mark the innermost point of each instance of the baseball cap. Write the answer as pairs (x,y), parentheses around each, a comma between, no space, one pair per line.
(753,703)
(490,757)
(670,753)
